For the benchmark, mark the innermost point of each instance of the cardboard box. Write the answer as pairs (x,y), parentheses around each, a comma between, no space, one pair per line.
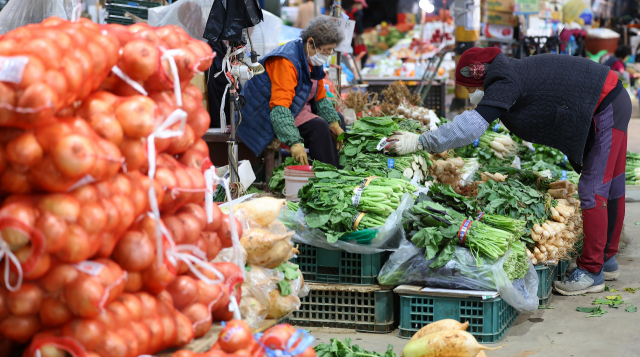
(500,18)
(498,5)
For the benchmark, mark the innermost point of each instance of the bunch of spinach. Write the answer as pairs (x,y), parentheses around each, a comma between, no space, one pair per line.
(514,199)
(337,348)
(276,182)
(544,153)
(366,133)
(485,156)
(446,195)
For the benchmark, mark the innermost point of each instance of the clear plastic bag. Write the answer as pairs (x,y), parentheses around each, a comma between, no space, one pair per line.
(407,265)
(388,237)
(261,297)
(265,34)
(24,12)
(190,15)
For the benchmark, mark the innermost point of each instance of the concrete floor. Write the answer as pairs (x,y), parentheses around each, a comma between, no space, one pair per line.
(561,331)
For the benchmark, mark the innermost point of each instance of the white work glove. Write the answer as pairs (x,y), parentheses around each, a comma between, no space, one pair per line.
(403,143)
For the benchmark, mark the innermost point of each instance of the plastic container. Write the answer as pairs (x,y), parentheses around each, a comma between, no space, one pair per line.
(489,320)
(563,265)
(364,308)
(294,178)
(546,276)
(339,267)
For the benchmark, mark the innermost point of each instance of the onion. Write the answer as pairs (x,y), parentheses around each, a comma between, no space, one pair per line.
(208,294)
(112,214)
(187,63)
(4,310)
(20,328)
(107,127)
(58,82)
(137,116)
(183,142)
(134,282)
(58,277)
(83,296)
(198,182)
(54,313)
(134,153)
(40,267)
(41,100)
(93,218)
(168,36)
(176,228)
(199,122)
(126,209)
(25,301)
(139,60)
(78,246)
(215,245)
(134,252)
(54,229)
(13,181)
(120,311)
(156,330)
(167,181)
(114,274)
(24,150)
(169,327)
(184,291)
(193,91)
(196,211)
(185,330)
(111,46)
(74,156)
(48,177)
(192,227)
(64,206)
(193,159)
(157,278)
(112,345)
(86,331)
(73,72)
(224,232)
(33,73)
(200,316)
(7,96)
(48,135)
(99,57)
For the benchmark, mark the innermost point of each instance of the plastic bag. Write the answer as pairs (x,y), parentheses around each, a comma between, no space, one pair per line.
(388,237)
(191,15)
(572,10)
(407,265)
(228,18)
(25,12)
(265,35)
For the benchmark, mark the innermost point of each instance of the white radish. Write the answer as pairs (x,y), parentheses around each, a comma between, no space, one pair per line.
(497,146)
(408,172)
(438,326)
(445,343)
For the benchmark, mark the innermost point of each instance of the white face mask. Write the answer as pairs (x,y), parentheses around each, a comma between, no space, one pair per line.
(476,96)
(318,59)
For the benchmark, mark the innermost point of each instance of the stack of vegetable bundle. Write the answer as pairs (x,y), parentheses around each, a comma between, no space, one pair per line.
(409,111)
(633,169)
(106,238)
(502,145)
(438,228)
(555,240)
(448,171)
(340,202)
(408,166)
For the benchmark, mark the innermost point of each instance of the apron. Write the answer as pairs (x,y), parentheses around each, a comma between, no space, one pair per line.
(306,114)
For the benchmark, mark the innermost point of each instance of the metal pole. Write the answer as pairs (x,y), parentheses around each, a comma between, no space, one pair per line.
(337,13)
(233,147)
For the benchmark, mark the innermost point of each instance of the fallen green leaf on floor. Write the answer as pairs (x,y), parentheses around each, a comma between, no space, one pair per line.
(609,288)
(636,223)
(616,297)
(592,311)
(542,307)
(631,308)
(631,290)
(337,348)
(611,301)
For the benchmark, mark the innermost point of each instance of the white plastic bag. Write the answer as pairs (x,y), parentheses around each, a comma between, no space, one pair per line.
(265,34)
(190,15)
(24,12)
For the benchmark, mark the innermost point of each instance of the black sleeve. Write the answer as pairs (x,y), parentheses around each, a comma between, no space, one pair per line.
(490,113)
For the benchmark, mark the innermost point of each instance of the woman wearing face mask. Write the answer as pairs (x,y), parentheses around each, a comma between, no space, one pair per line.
(289,101)
(569,103)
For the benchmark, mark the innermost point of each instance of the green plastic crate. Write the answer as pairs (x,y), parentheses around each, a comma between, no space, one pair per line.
(563,265)
(119,10)
(546,276)
(134,3)
(489,320)
(111,19)
(341,306)
(339,267)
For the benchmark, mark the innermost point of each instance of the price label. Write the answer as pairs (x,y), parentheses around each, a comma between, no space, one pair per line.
(391,163)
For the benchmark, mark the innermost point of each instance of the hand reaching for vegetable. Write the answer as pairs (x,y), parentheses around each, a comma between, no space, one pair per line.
(403,143)
(298,153)
(336,131)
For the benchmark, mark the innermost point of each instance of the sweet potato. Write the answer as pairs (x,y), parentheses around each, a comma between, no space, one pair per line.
(442,325)
(453,343)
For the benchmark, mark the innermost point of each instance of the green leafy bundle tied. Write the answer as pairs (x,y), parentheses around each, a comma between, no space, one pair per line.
(508,224)
(517,264)
(337,348)
(438,229)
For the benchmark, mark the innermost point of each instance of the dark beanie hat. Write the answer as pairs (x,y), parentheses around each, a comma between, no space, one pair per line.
(473,65)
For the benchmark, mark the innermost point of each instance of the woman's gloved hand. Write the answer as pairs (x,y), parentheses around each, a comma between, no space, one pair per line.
(403,143)
(298,153)
(336,130)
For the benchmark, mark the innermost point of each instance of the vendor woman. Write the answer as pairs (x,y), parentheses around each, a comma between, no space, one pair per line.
(569,103)
(289,101)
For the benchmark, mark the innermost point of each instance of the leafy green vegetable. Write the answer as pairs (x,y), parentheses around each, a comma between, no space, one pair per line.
(445,194)
(517,264)
(609,288)
(592,311)
(630,290)
(631,308)
(544,153)
(337,348)
(611,301)
(285,287)
(276,182)
(290,270)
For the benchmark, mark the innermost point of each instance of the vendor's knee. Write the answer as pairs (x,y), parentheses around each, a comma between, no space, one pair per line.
(342,123)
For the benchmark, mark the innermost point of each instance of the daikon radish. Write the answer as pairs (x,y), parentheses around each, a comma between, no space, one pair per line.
(497,146)
(442,325)
(560,184)
(535,237)
(499,155)
(558,193)
(453,343)
(542,248)
(262,210)
(537,228)
(534,261)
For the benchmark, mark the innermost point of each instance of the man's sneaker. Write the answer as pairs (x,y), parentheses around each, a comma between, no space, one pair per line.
(610,268)
(581,282)
(572,267)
